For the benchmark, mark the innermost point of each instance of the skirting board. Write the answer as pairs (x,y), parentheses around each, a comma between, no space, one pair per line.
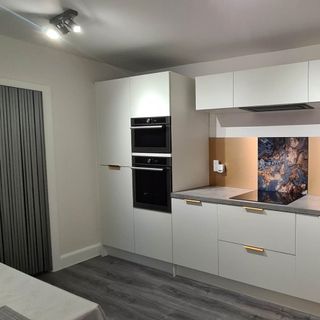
(259,293)
(77,256)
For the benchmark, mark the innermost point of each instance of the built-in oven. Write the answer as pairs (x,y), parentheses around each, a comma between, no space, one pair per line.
(152,183)
(151,135)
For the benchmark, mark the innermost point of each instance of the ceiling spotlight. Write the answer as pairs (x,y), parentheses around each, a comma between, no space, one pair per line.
(64,22)
(53,34)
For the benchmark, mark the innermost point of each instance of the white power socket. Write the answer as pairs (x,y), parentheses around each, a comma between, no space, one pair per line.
(218,167)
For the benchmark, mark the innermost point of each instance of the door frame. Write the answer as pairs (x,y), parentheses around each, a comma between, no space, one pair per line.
(50,159)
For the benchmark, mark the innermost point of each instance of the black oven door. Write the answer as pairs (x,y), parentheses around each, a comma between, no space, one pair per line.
(151,135)
(152,188)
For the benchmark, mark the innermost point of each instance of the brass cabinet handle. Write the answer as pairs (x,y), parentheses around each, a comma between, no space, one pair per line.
(193,202)
(255,249)
(114,167)
(252,209)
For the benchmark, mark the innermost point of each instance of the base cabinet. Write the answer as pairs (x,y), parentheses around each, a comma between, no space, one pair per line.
(308,258)
(195,235)
(116,207)
(153,234)
(268,269)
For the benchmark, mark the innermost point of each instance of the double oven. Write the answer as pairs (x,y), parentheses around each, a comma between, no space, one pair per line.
(151,163)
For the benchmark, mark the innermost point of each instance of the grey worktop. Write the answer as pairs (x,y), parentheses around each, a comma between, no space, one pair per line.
(306,205)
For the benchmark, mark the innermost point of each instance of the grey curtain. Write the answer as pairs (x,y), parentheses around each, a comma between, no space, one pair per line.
(24,213)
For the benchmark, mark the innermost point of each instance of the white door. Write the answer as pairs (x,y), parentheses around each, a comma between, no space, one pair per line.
(214,91)
(117,207)
(150,95)
(195,235)
(153,234)
(308,257)
(113,112)
(284,84)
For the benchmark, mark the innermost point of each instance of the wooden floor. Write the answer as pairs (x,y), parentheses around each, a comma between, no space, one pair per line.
(129,291)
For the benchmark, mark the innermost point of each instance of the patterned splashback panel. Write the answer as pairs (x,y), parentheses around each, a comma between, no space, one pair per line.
(283,164)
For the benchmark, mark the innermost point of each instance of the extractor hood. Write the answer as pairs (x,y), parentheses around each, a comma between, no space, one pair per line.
(281,107)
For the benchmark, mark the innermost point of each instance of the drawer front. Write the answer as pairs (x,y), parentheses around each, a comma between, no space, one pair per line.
(272,230)
(268,269)
(195,235)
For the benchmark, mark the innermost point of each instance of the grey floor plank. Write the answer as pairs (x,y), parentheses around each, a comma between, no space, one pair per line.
(126,290)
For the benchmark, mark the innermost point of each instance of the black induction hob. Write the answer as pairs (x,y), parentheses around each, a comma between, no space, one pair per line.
(269,197)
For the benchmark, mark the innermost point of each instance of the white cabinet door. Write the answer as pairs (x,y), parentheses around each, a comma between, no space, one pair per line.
(308,257)
(195,235)
(273,230)
(284,84)
(314,80)
(153,234)
(214,91)
(117,208)
(150,95)
(270,270)
(113,112)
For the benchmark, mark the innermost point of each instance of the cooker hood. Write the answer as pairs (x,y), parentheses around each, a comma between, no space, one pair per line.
(281,107)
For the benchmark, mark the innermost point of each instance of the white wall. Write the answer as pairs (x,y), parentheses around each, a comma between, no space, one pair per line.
(70,79)
(303,123)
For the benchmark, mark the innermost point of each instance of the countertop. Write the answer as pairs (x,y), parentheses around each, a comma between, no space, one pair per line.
(308,204)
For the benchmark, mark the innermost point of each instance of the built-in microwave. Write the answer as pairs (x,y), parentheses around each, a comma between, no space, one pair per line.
(151,135)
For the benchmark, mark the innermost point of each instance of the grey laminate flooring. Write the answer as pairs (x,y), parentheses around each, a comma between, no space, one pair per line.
(127,290)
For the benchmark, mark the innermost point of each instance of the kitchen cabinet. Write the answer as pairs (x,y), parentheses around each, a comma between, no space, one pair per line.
(195,235)
(268,269)
(153,234)
(308,258)
(113,117)
(150,95)
(116,207)
(268,229)
(314,80)
(214,91)
(283,84)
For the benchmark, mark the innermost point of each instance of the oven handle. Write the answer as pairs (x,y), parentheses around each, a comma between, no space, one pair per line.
(147,127)
(147,169)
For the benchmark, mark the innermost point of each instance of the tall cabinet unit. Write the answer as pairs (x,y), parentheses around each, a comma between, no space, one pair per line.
(164,94)
(115,176)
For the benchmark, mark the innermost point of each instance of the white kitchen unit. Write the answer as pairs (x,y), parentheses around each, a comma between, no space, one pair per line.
(267,269)
(283,84)
(150,95)
(214,91)
(113,116)
(314,81)
(308,258)
(116,207)
(268,229)
(153,234)
(195,235)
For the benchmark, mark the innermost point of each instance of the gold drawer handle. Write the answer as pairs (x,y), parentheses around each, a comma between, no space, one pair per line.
(193,202)
(252,209)
(114,167)
(255,249)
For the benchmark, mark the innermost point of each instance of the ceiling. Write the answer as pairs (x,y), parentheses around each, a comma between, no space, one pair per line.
(142,35)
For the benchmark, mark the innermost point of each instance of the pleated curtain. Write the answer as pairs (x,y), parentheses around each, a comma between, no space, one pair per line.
(24,212)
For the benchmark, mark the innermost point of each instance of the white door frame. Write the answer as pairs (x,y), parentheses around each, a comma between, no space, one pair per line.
(50,158)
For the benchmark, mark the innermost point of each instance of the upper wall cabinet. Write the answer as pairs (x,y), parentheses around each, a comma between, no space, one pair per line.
(150,95)
(113,110)
(284,84)
(314,80)
(214,91)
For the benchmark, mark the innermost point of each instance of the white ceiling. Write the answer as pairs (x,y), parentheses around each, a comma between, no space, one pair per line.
(143,35)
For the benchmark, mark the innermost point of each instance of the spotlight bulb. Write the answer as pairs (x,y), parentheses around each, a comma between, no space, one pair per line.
(53,34)
(76,28)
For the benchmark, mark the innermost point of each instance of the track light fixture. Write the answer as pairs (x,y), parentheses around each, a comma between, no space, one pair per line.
(64,22)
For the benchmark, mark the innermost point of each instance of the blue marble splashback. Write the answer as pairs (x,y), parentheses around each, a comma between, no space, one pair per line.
(283,164)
